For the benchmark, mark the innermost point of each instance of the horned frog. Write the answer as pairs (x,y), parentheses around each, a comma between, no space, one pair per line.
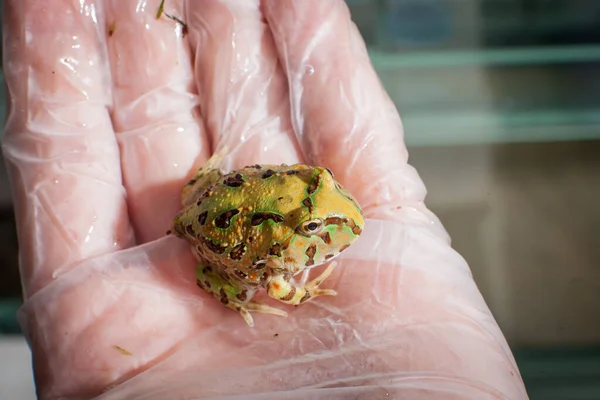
(260,226)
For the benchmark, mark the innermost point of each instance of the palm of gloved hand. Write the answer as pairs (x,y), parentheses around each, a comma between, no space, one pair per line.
(106,303)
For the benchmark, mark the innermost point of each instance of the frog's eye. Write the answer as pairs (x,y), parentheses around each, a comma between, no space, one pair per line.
(309,228)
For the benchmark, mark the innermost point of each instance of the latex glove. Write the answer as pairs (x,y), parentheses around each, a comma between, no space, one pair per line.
(104,130)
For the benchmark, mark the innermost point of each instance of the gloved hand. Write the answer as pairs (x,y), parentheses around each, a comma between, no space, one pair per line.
(113,110)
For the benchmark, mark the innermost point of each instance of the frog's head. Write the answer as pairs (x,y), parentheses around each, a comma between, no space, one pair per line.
(330,222)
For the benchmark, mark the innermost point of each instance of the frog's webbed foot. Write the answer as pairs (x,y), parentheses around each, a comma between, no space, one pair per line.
(232,294)
(283,290)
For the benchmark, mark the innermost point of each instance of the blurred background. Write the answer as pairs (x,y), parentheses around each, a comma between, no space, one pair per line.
(501,107)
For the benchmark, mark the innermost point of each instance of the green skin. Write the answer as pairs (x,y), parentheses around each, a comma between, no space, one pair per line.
(242,245)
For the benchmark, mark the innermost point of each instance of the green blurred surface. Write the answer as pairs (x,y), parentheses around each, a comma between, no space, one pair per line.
(8,316)
(560,374)
(485,57)
(487,71)
(499,102)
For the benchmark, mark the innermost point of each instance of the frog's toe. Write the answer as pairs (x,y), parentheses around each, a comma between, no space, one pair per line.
(313,285)
(322,292)
(247,317)
(254,306)
(265,309)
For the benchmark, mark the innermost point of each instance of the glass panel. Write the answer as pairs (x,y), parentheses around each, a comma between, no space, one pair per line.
(497,97)
(477,71)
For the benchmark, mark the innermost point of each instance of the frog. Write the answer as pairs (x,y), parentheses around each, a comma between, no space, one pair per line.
(261,227)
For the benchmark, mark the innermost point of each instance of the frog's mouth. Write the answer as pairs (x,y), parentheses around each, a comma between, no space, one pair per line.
(330,238)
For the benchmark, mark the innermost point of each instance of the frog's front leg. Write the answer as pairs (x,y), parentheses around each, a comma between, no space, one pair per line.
(279,287)
(232,293)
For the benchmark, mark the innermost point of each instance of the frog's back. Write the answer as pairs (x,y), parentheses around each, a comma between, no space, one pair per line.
(248,214)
